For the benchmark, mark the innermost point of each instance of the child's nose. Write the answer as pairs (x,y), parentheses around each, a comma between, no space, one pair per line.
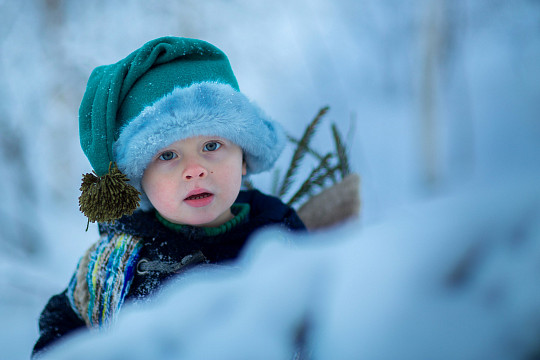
(195,172)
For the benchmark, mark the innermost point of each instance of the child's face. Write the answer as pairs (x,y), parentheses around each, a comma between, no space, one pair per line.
(195,181)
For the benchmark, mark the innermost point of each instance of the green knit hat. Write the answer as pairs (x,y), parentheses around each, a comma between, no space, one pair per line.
(116,93)
(143,97)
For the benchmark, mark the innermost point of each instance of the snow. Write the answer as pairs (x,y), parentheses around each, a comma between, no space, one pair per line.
(453,278)
(443,98)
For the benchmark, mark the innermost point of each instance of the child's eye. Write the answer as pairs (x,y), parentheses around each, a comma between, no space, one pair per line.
(167,155)
(211,146)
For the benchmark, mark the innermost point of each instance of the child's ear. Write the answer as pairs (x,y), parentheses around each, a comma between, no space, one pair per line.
(244,167)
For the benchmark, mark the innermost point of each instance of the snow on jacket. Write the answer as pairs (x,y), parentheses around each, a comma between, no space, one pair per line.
(136,255)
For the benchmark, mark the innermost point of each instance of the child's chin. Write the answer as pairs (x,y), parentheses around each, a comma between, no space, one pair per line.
(202,222)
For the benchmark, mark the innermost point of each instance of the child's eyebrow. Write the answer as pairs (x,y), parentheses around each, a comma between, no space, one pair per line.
(214,138)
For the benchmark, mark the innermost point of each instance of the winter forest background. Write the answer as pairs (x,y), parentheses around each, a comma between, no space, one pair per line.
(439,101)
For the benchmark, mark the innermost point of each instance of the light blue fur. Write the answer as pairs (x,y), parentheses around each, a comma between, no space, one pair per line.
(208,109)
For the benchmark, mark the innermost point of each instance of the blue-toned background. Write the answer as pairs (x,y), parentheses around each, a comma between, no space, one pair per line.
(432,96)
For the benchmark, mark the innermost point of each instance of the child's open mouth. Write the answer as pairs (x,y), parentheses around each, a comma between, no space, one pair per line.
(199,200)
(198,196)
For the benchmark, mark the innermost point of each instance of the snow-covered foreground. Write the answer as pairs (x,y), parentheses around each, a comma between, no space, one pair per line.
(455,278)
(443,93)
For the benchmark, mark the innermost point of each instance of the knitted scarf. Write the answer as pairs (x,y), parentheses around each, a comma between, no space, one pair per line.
(105,272)
(102,279)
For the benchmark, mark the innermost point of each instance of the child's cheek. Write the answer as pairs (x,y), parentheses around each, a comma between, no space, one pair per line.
(159,190)
(166,187)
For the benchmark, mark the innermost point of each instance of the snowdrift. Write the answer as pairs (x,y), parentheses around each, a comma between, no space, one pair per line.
(455,278)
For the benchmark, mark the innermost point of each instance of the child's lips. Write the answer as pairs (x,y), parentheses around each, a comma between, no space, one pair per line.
(199,198)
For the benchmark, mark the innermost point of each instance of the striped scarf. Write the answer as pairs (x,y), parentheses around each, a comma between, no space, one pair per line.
(104,274)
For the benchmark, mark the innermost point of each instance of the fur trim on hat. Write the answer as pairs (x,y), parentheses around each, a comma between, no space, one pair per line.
(202,109)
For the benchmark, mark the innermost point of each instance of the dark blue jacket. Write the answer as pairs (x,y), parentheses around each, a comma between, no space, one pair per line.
(159,242)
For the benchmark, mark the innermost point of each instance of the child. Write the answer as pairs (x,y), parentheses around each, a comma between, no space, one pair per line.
(166,126)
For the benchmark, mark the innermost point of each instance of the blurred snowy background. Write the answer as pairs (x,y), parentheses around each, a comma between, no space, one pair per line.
(440,104)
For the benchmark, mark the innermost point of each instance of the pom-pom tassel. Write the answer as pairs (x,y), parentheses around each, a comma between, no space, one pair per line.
(108,197)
